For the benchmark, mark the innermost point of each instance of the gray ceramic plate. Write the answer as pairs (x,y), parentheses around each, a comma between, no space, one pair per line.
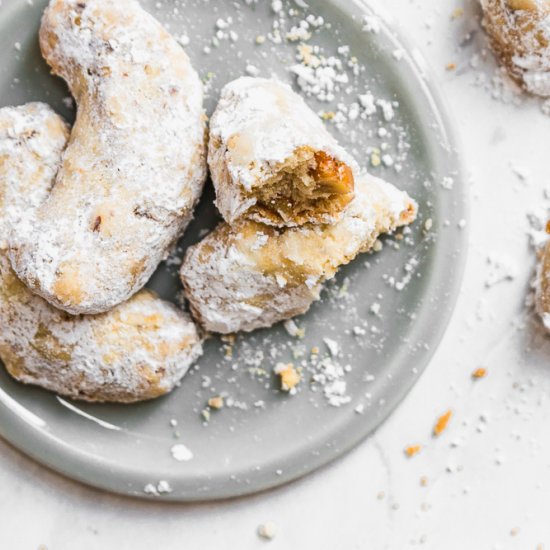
(263,437)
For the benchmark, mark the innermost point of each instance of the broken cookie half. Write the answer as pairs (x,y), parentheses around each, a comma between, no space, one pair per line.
(273,161)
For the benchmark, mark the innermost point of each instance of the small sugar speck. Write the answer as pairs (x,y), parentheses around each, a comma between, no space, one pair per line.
(267,530)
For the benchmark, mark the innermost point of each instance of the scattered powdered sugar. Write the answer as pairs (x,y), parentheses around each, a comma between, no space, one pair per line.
(330,375)
(181,453)
(160,488)
(372,23)
(447,182)
(387,109)
(184,40)
(319,76)
(267,530)
(399,283)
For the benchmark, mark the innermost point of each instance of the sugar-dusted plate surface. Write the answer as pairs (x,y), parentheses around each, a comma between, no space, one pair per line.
(385,312)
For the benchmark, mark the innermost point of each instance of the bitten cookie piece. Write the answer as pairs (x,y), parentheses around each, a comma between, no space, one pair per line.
(135,163)
(251,275)
(137,351)
(519,31)
(272,160)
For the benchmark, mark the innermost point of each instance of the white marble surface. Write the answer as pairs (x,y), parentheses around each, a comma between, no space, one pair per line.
(488,475)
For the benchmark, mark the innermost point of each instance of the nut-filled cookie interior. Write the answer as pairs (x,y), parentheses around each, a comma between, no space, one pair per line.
(308,187)
(272,160)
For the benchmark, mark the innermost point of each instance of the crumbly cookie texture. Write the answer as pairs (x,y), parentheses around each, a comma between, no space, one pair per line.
(135,164)
(137,351)
(251,275)
(272,160)
(519,31)
(542,282)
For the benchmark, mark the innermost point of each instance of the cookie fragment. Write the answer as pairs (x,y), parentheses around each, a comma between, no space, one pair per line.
(273,161)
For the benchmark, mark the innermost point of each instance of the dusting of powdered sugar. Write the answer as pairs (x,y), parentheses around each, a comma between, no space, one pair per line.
(111,243)
(223,283)
(271,122)
(181,452)
(162,487)
(112,357)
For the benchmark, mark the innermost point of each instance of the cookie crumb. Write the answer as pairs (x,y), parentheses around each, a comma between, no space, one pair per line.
(442,422)
(216,402)
(479,373)
(412,450)
(289,376)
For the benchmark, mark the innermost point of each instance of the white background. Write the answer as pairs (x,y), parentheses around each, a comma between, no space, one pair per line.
(488,476)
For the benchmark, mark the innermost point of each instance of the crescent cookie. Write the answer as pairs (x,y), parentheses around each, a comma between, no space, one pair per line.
(137,351)
(272,160)
(135,164)
(250,275)
(519,32)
